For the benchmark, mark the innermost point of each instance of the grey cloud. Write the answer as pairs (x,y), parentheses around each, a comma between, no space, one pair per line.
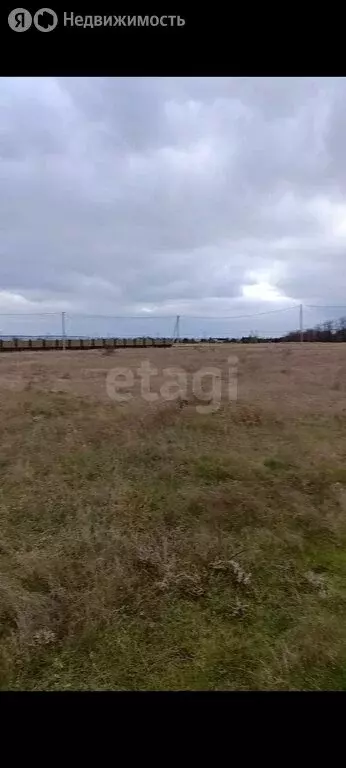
(172,194)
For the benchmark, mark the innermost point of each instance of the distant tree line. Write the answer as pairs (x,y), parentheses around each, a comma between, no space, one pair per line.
(330,331)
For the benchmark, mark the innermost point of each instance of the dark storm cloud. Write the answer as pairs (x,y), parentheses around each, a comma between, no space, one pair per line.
(200,195)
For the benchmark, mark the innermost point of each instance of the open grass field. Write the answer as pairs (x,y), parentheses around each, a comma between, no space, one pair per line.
(144,545)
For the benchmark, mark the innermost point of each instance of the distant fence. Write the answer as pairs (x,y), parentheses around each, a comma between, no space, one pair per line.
(22,345)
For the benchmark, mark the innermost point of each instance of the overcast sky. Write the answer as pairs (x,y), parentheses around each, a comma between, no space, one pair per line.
(199,196)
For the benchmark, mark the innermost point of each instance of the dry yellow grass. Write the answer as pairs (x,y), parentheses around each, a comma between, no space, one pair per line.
(147,546)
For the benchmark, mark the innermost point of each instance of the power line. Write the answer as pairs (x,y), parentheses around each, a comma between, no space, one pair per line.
(123,317)
(325,306)
(239,317)
(29,314)
(185,316)
(209,318)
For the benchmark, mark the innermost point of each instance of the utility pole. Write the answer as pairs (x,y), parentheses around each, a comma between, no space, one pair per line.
(176,330)
(301,323)
(63,332)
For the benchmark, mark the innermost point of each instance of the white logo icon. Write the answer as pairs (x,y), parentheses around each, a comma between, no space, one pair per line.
(20,20)
(45,20)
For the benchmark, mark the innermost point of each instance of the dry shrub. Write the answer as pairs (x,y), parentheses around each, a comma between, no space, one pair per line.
(109,351)
(248,415)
